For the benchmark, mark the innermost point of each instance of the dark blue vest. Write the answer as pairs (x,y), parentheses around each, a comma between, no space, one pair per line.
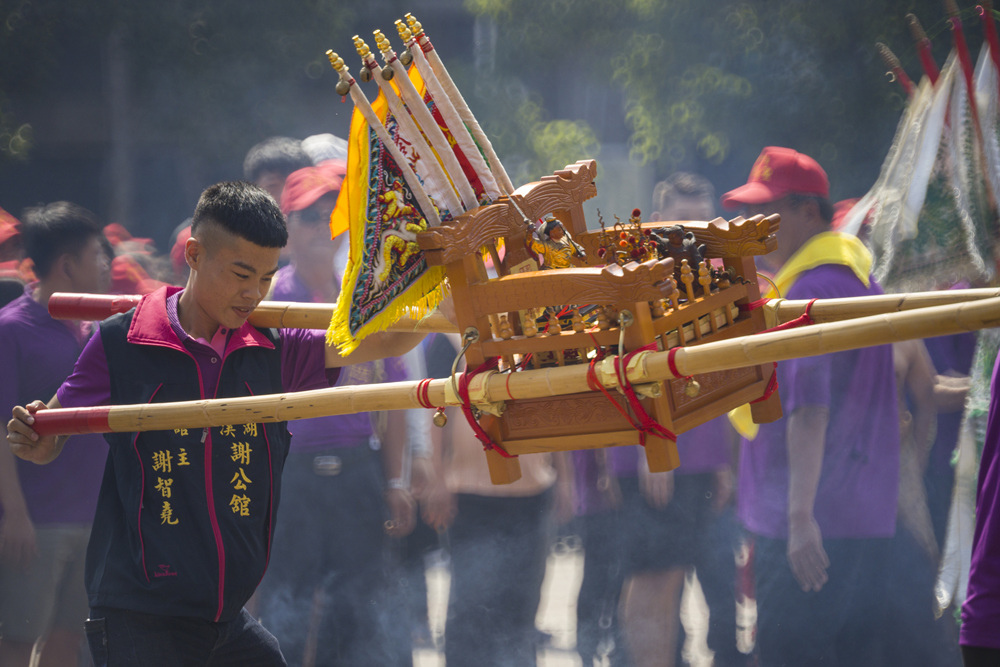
(185,518)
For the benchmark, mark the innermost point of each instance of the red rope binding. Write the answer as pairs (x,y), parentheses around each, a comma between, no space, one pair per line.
(463,393)
(802,320)
(647,425)
(595,385)
(772,386)
(753,305)
(672,363)
(423,394)
(642,421)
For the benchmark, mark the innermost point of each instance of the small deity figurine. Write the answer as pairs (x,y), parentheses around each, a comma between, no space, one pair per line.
(674,242)
(555,245)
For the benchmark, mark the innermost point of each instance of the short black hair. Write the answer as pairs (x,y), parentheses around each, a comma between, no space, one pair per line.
(53,230)
(279,154)
(682,184)
(551,222)
(822,203)
(243,209)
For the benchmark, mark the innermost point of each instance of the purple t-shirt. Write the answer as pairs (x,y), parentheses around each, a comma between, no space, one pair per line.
(36,354)
(981,611)
(703,449)
(339,430)
(859,482)
(303,365)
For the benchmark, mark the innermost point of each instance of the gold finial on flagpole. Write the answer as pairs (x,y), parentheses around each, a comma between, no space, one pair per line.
(361,46)
(344,85)
(404,34)
(415,26)
(365,72)
(403,30)
(381,42)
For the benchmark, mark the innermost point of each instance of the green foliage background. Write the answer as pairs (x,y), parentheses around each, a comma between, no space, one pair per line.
(681,84)
(703,86)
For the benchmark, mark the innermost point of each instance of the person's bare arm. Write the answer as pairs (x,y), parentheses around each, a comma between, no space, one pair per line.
(564,490)
(381,345)
(806,440)
(402,509)
(17,532)
(656,487)
(950,392)
(438,504)
(387,344)
(919,383)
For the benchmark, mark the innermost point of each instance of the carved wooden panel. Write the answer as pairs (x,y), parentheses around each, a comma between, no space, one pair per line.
(577,413)
(591,285)
(713,385)
(470,231)
(736,238)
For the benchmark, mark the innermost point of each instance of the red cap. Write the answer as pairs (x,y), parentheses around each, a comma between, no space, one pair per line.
(23,270)
(776,173)
(840,211)
(123,241)
(305,186)
(10,269)
(116,233)
(10,227)
(128,277)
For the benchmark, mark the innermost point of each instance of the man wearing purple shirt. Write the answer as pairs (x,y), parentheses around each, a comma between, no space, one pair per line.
(980,635)
(185,518)
(46,512)
(818,488)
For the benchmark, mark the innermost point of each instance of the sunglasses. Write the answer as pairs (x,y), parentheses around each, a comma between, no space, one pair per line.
(311,216)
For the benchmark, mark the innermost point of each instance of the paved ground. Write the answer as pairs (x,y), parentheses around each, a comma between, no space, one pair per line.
(557,615)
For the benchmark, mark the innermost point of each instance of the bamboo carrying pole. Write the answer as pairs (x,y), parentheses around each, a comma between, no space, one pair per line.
(493,388)
(833,310)
(276,314)
(293,315)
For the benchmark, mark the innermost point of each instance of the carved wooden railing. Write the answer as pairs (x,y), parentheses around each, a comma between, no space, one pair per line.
(505,306)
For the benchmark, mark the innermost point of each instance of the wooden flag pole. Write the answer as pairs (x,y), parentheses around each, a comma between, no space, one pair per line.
(494,388)
(446,194)
(451,115)
(415,103)
(361,103)
(503,180)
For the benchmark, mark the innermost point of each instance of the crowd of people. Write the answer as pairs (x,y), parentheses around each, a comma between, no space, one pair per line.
(171,547)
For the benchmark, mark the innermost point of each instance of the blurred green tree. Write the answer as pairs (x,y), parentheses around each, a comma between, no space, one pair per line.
(703,86)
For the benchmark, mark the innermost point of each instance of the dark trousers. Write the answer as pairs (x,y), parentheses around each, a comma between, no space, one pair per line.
(601,587)
(120,638)
(841,625)
(331,568)
(410,588)
(977,656)
(914,637)
(715,565)
(498,551)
